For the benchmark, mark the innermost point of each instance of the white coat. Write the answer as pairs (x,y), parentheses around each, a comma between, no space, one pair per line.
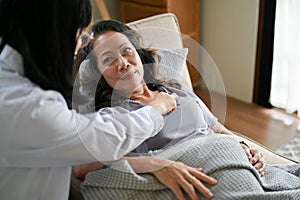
(40,138)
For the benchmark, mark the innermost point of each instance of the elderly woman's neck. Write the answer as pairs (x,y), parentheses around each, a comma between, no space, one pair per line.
(143,94)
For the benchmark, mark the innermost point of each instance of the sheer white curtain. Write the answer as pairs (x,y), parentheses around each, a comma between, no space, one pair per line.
(285,86)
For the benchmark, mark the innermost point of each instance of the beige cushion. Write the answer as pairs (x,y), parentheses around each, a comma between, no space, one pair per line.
(162,31)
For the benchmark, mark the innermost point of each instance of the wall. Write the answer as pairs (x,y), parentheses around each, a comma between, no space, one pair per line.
(228,33)
(113,7)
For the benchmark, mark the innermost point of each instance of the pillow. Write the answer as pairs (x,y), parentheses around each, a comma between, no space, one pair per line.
(172,63)
(88,78)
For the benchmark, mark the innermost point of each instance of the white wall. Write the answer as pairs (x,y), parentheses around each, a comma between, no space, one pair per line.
(228,33)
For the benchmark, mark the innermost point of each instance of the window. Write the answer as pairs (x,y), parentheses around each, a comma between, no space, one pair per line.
(285,83)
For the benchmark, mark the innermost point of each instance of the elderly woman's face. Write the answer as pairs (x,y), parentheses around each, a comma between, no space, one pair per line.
(118,62)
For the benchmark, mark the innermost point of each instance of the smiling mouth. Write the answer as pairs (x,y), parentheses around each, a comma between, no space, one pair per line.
(128,76)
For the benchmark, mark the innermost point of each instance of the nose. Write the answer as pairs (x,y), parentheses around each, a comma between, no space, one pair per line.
(123,63)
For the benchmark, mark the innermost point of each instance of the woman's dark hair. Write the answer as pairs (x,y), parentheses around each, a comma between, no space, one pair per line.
(44,33)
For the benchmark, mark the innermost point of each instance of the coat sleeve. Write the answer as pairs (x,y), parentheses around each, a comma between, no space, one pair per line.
(47,133)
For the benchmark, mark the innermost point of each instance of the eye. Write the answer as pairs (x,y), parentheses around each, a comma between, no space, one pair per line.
(108,61)
(127,51)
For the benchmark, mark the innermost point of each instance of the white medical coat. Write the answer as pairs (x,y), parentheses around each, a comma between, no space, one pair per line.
(40,138)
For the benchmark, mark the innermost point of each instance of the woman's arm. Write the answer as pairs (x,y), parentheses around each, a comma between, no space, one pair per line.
(219,128)
(80,171)
(175,175)
(255,157)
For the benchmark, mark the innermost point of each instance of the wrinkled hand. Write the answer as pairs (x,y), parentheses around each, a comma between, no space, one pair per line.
(178,176)
(164,103)
(256,158)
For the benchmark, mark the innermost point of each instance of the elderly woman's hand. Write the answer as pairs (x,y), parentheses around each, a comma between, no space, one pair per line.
(177,176)
(256,158)
(164,103)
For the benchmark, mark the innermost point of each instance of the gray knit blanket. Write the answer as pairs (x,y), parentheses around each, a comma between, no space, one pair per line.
(220,156)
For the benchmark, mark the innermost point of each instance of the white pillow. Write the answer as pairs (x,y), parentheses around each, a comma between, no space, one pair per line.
(171,64)
(88,79)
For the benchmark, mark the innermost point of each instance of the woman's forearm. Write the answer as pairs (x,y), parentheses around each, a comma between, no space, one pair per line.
(138,164)
(80,171)
(219,128)
(146,164)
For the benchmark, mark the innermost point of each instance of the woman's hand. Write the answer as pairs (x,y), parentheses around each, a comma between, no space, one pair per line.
(175,175)
(178,176)
(256,158)
(164,103)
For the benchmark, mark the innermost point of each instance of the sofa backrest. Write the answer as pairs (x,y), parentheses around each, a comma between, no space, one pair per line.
(162,31)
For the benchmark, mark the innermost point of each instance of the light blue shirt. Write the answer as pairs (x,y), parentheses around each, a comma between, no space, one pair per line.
(40,138)
(190,119)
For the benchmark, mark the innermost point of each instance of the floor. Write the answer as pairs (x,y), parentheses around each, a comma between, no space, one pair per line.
(256,122)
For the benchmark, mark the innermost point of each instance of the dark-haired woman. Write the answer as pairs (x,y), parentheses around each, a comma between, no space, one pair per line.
(124,69)
(41,137)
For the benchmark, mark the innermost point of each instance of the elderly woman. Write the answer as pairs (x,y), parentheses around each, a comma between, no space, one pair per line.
(125,73)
